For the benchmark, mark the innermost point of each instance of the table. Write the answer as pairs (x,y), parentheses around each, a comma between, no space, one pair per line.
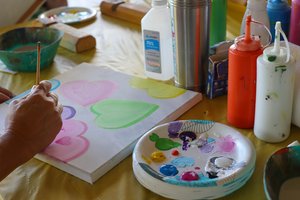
(119,46)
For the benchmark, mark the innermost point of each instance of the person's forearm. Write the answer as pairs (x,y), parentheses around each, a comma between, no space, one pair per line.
(11,155)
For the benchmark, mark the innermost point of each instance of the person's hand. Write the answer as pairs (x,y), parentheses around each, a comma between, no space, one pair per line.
(5,95)
(34,121)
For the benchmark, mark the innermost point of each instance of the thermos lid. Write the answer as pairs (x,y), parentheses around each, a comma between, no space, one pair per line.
(247,42)
(277,53)
(159,2)
(190,4)
(277,4)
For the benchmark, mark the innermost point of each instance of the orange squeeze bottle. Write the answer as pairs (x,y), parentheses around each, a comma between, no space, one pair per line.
(242,78)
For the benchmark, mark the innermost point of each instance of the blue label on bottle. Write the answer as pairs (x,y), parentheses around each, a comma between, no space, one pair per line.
(152,51)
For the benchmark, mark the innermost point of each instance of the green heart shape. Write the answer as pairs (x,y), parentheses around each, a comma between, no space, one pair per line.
(157,89)
(113,114)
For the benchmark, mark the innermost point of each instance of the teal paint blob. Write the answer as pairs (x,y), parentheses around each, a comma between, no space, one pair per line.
(182,162)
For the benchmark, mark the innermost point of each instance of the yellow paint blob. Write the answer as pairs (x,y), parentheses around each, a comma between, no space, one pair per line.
(158,156)
(156,89)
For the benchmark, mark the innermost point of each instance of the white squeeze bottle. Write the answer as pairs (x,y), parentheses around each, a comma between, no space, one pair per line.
(258,10)
(274,91)
(157,41)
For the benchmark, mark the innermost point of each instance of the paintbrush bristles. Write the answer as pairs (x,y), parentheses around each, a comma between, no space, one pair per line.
(38,64)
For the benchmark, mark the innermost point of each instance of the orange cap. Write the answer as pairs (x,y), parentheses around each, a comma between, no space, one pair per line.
(248,42)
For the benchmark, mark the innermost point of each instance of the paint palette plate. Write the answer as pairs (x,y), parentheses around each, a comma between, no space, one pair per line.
(67,15)
(193,159)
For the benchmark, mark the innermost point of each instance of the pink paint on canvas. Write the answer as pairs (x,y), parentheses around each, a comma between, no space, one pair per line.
(69,143)
(87,92)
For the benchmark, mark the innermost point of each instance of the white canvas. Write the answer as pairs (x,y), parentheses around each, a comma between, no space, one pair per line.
(88,146)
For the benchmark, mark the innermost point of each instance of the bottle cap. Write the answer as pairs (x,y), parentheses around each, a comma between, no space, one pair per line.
(277,53)
(248,42)
(159,2)
(256,5)
(277,4)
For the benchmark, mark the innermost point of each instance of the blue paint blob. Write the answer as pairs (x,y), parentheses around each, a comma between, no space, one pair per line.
(183,161)
(55,84)
(168,170)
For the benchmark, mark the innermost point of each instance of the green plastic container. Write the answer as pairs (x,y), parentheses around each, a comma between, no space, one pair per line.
(217,21)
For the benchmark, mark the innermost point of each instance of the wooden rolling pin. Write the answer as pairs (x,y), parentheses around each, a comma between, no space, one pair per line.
(129,12)
(74,39)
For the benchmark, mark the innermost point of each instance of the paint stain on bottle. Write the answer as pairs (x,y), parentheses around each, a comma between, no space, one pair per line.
(282,68)
(271,58)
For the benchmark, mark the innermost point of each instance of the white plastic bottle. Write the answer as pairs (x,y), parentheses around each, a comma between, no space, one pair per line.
(258,10)
(274,91)
(157,42)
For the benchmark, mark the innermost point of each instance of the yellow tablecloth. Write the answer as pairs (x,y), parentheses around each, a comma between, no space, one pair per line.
(119,46)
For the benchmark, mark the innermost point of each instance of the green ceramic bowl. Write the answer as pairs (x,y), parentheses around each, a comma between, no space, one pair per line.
(283,165)
(18,47)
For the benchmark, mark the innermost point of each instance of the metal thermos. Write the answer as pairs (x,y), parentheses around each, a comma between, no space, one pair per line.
(242,78)
(190,34)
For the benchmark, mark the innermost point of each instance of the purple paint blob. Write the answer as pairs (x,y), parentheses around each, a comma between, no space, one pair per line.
(187,137)
(189,176)
(68,112)
(204,146)
(174,128)
(168,170)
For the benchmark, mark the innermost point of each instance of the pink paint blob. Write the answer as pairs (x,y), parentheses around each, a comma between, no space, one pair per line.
(69,143)
(226,144)
(189,176)
(85,93)
(64,141)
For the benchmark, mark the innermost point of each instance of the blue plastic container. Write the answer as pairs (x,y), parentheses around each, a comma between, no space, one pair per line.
(279,10)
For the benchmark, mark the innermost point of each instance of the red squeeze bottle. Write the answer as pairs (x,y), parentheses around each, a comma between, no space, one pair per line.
(242,78)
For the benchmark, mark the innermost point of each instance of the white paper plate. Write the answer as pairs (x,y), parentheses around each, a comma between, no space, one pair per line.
(68,15)
(198,160)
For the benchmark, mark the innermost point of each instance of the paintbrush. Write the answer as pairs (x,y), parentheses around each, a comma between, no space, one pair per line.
(38,63)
